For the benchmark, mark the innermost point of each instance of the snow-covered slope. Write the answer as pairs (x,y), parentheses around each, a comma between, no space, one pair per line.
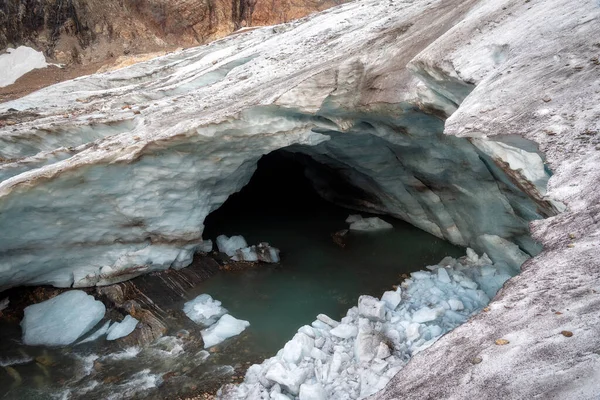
(109,176)
(17,62)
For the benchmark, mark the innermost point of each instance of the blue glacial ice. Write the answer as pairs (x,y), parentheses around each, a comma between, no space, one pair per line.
(61,320)
(121,329)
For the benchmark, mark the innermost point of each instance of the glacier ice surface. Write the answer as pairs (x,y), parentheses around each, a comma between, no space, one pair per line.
(61,320)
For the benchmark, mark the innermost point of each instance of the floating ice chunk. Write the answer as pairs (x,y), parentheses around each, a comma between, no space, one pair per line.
(246,254)
(318,354)
(237,248)
(443,276)
(353,218)
(327,320)
(371,308)
(3,303)
(344,331)
(62,319)
(312,392)
(226,327)
(230,245)
(392,298)
(370,224)
(290,380)
(267,253)
(427,314)
(456,304)
(122,329)
(204,310)
(297,348)
(94,336)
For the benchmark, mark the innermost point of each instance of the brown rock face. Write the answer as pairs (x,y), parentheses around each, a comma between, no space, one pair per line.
(83,31)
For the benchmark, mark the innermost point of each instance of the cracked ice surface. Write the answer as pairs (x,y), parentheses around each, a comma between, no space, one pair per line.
(358,356)
(112,175)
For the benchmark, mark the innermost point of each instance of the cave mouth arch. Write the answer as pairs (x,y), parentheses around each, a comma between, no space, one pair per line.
(280,187)
(280,205)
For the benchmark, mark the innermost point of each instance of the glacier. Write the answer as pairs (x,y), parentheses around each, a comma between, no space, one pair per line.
(447,114)
(112,175)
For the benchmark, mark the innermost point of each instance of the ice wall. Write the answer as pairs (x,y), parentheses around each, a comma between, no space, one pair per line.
(150,150)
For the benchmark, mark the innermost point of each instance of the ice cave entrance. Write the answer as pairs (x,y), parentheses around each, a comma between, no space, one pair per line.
(316,275)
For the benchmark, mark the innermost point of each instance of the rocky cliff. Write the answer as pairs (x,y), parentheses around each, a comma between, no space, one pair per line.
(94,30)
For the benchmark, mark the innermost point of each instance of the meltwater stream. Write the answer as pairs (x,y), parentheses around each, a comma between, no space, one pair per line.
(316,275)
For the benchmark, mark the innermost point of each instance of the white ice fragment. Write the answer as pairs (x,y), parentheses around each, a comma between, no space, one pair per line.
(443,276)
(353,218)
(426,314)
(371,308)
(344,331)
(455,304)
(122,329)
(229,245)
(370,224)
(307,330)
(3,303)
(94,336)
(471,255)
(312,392)
(226,327)
(204,310)
(297,348)
(327,320)
(290,380)
(318,354)
(62,319)
(392,298)
(246,254)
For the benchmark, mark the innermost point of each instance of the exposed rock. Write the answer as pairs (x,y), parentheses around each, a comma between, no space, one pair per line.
(83,31)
